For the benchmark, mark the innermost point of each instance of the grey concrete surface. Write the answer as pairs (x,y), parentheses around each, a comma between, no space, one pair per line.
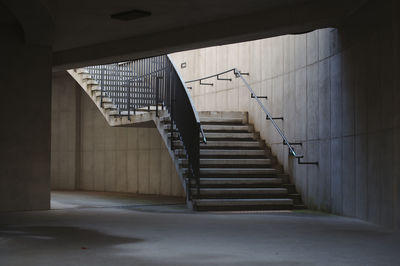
(107,229)
(26,120)
(88,154)
(338,92)
(111,40)
(65,132)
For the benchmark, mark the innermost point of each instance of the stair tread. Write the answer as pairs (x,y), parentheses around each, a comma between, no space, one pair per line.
(231,161)
(220,120)
(238,170)
(229,152)
(245,201)
(230,134)
(241,191)
(226,127)
(247,179)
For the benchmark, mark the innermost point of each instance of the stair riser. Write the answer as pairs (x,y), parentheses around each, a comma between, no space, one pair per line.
(244,208)
(234,145)
(232,153)
(241,186)
(231,157)
(221,155)
(229,191)
(243,183)
(227,166)
(221,121)
(236,196)
(296,200)
(221,128)
(229,163)
(237,175)
(238,171)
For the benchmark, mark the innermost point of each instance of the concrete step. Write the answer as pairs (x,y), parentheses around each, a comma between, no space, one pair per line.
(94,88)
(221,144)
(221,120)
(230,162)
(167,127)
(232,172)
(242,204)
(231,135)
(221,128)
(229,128)
(235,192)
(243,182)
(105,100)
(85,76)
(230,153)
(218,153)
(113,113)
(98,94)
(175,135)
(224,114)
(91,82)
(109,106)
(82,71)
(244,193)
(165,119)
(233,144)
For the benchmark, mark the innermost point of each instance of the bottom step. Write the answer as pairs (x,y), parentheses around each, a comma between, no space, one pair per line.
(242,204)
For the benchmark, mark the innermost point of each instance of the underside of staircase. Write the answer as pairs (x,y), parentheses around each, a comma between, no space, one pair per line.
(237,169)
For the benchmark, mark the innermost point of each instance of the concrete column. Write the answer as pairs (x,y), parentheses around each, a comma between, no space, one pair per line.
(25,80)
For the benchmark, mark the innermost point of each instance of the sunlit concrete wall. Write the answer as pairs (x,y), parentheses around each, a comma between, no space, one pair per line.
(338,93)
(88,154)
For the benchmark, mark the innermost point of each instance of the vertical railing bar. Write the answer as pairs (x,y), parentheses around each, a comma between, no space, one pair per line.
(102,88)
(129,101)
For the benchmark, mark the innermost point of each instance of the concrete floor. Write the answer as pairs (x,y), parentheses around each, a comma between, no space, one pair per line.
(118,229)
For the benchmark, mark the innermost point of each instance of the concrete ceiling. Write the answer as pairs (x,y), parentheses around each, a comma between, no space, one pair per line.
(83,33)
(81,23)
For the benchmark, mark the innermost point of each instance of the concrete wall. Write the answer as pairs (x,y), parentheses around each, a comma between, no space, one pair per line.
(25,79)
(124,159)
(338,93)
(88,154)
(65,132)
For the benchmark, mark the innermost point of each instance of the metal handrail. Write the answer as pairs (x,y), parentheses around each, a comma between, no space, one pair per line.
(239,74)
(203,136)
(208,77)
(204,139)
(148,74)
(291,150)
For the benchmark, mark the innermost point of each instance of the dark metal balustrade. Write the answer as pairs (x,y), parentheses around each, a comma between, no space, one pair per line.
(150,84)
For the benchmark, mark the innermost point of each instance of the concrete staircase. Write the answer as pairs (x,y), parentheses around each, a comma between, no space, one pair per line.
(237,169)
(108,109)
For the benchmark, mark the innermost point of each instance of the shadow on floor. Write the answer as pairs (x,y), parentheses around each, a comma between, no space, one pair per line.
(63,237)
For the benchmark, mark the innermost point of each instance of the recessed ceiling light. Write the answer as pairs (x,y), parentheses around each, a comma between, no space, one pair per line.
(131,14)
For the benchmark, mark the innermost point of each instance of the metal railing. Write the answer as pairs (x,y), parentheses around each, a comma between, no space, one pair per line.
(253,95)
(149,84)
(132,85)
